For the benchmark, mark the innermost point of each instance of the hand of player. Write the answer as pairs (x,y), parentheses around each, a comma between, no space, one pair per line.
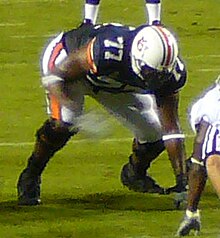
(180,197)
(180,190)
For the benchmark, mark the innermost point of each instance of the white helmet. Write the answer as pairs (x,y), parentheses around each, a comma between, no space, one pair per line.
(154,47)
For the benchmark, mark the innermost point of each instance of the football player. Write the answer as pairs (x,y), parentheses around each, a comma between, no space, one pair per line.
(136,74)
(204,163)
(153,9)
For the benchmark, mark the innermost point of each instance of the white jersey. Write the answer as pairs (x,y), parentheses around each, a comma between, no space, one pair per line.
(207,107)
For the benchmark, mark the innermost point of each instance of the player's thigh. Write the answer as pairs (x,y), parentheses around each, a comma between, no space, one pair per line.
(63,113)
(213,170)
(136,111)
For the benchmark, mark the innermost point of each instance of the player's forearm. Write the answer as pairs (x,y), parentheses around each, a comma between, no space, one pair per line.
(196,180)
(173,136)
(75,66)
(174,141)
(176,152)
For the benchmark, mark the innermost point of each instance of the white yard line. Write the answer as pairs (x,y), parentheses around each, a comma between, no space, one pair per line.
(31,36)
(10,65)
(208,70)
(6,24)
(24,144)
(15,144)
(28,1)
(201,56)
(101,141)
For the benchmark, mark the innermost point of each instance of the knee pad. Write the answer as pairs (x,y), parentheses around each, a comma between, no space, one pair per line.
(144,154)
(149,150)
(54,134)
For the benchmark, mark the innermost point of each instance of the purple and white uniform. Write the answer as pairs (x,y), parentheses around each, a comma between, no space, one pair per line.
(207,108)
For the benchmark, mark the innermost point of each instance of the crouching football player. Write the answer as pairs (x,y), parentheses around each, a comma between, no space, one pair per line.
(136,74)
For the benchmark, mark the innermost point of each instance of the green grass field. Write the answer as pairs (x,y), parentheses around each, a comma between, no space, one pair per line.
(81,191)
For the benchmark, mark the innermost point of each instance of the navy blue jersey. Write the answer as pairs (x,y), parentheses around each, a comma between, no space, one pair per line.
(112,57)
(111,54)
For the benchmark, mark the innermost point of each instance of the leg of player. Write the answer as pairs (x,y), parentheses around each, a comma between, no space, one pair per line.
(153,9)
(50,138)
(138,112)
(213,170)
(91,9)
(196,181)
(134,175)
(197,177)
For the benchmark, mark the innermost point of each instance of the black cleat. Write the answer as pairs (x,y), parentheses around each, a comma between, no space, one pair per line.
(139,184)
(28,188)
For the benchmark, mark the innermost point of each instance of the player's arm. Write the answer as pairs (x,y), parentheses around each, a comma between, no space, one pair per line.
(73,68)
(197,176)
(76,65)
(174,139)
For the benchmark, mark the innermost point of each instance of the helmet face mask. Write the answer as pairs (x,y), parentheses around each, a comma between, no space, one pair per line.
(153,78)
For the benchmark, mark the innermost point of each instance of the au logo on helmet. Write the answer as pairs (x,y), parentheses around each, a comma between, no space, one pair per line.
(154,47)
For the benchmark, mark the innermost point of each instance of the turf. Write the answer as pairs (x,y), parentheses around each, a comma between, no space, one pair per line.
(81,190)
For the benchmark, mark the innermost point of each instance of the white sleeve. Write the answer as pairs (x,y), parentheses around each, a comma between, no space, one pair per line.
(195,114)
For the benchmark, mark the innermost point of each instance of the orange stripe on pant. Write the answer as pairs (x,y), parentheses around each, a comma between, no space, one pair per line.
(55,108)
